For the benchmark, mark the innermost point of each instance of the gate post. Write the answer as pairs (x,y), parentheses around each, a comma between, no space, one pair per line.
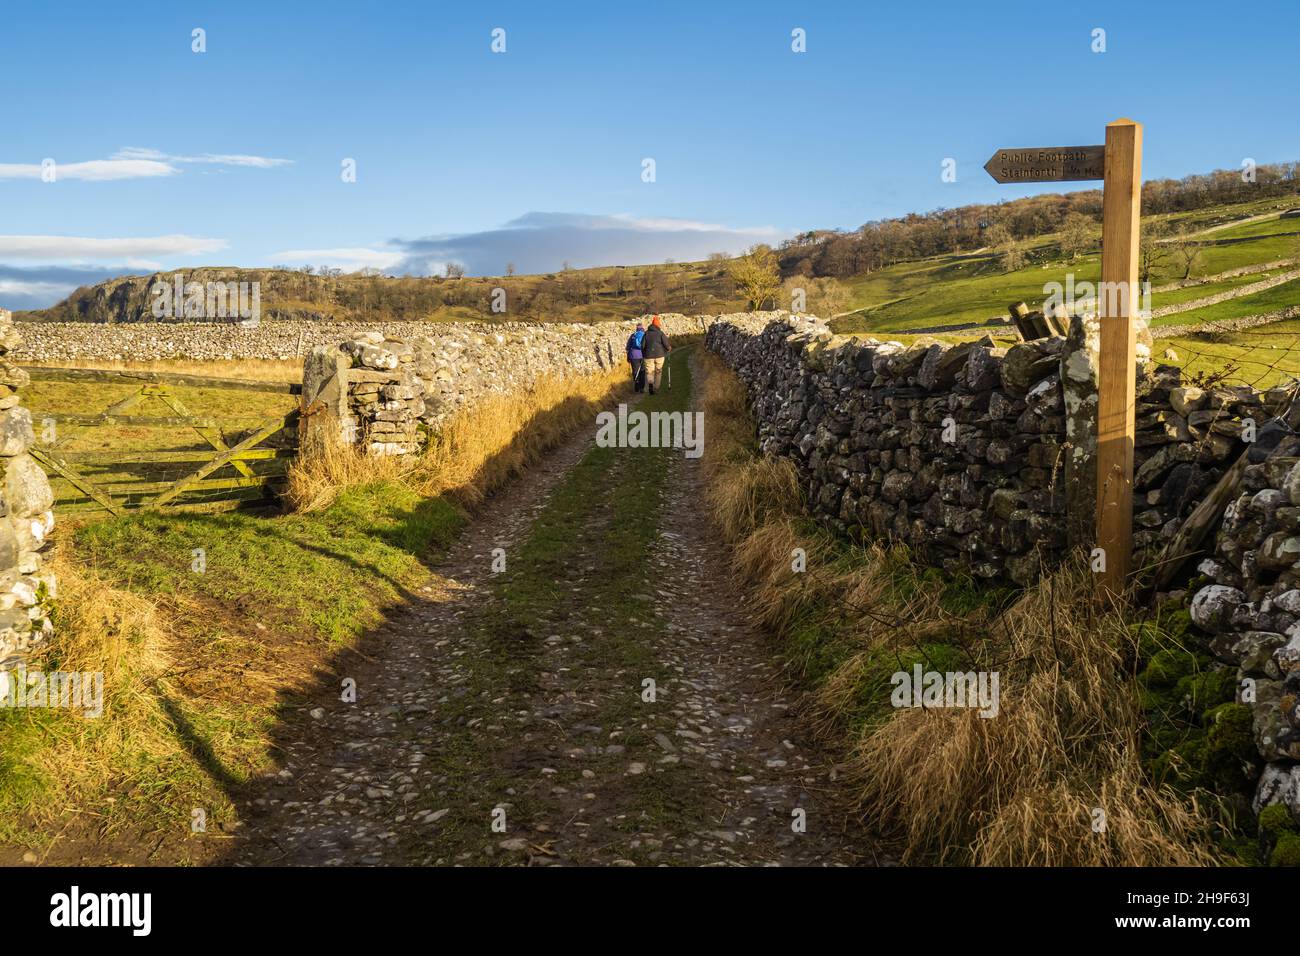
(325,416)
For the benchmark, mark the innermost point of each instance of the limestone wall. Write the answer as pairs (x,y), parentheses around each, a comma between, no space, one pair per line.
(26,519)
(509,348)
(1248,598)
(386,392)
(981,458)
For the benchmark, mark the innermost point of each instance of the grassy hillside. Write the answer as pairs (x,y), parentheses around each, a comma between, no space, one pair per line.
(573,295)
(973,287)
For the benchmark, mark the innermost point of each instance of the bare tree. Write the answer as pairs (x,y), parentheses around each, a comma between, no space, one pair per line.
(1078,235)
(1152,250)
(1186,251)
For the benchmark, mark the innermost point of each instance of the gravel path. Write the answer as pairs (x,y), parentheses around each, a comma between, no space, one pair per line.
(491,728)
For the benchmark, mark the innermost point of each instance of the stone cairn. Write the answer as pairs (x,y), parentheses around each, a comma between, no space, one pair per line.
(26,519)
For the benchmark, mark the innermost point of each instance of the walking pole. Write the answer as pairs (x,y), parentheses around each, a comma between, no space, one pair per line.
(668,370)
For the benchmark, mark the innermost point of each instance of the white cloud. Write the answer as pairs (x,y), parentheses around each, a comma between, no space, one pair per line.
(37,287)
(82,249)
(667,224)
(347,258)
(13,288)
(96,170)
(544,241)
(135,162)
(218,159)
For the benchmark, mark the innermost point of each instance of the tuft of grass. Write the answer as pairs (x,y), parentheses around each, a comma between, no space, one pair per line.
(1022,788)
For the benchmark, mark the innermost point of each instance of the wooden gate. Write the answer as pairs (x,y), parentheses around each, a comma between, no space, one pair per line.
(227,463)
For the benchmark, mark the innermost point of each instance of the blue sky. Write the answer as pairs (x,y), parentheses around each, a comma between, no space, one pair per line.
(534,156)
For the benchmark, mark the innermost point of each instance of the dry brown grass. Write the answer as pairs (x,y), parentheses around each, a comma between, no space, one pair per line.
(476,452)
(489,444)
(325,465)
(1021,788)
(122,635)
(1025,787)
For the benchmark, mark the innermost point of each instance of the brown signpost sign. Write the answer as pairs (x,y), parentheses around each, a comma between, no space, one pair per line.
(1119,165)
(1047,164)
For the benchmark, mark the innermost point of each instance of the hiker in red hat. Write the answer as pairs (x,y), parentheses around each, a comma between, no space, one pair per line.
(654,347)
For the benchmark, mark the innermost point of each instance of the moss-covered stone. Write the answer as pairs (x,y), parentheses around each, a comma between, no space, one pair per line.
(1287,850)
(1229,747)
(1167,667)
(1277,819)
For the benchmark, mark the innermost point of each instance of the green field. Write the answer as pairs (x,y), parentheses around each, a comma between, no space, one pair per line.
(1270,300)
(1262,357)
(956,289)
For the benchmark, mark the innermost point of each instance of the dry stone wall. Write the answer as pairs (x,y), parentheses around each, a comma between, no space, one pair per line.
(864,423)
(387,392)
(1248,598)
(509,349)
(399,375)
(26,519)
(982,458)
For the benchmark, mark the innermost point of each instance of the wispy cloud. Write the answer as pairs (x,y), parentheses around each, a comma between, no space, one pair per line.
(95,170)
(83,249)
(135,162)
(215,159)
(544,241)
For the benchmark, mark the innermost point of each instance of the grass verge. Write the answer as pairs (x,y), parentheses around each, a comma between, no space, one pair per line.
(202,623)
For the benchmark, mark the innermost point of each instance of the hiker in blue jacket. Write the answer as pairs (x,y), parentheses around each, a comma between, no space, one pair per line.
(654,349)
(634,357)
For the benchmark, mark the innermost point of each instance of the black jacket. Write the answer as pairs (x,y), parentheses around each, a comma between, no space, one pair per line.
(655,344)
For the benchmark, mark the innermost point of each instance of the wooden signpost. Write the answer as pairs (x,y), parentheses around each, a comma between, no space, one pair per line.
(1050,164)
(1118,164)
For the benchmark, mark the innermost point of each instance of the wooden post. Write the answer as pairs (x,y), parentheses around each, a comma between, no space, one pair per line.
(1117,304)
